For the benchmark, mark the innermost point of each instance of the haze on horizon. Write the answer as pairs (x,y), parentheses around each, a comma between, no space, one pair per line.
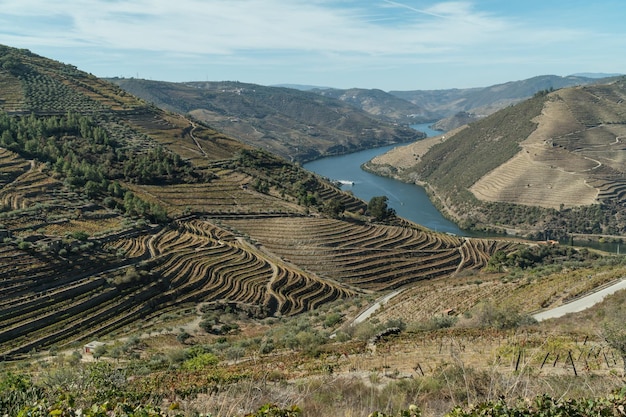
(385,44)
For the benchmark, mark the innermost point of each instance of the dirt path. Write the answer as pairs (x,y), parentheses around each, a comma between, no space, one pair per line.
(194,127)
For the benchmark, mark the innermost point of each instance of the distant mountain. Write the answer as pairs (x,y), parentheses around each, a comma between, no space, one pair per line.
(596,75)
(297,125)
(486,100)
(421,106)
(382,105)
(555,162)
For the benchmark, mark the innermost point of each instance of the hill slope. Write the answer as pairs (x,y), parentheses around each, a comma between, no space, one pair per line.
(113,211)
(554,159)
(295,124)
(382,105)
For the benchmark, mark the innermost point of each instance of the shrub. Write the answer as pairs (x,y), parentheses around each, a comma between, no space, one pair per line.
(502,317)
(332,319)
(271,410)
(200,362)
(183,336)
(267,347)
(412,411)
(24,245)
(80,235)
(545,405)
(441,322)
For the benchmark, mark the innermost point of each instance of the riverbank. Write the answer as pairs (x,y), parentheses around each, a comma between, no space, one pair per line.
(409,200)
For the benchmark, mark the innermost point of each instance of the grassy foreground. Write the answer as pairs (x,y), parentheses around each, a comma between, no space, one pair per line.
(216,361)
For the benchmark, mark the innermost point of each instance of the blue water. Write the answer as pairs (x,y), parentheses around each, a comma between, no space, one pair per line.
(408,200)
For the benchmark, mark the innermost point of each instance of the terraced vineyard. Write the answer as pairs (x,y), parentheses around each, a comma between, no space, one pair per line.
(229,194)
(11,166)
(560,154)
(113,212)
(47,299)
(35,201)
(576,154)
(371,257)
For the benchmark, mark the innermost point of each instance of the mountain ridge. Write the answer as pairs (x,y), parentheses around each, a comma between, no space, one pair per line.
(298,125)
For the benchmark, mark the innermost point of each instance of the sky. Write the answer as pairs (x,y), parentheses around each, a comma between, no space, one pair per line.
(384,44)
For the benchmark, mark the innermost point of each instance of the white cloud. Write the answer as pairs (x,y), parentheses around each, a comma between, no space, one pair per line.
(231,26)
(301,36)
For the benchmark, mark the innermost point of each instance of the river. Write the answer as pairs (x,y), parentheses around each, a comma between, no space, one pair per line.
(408,200)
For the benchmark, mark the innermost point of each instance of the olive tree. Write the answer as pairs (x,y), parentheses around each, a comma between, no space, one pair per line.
(377,208)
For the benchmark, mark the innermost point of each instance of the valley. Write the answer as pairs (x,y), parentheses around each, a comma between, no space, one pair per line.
(157,211)
(211,269)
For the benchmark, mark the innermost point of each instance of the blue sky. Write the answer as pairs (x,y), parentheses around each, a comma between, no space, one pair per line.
(391,45)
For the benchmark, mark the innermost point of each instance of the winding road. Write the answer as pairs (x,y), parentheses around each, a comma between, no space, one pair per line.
(372,309)
(575,306)
(582,303)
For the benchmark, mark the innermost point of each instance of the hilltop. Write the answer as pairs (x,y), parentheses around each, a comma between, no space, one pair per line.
(297,125)
(552,164)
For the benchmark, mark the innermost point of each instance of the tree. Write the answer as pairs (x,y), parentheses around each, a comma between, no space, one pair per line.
(100,351)
(377,208)
(334,208)
(92,189)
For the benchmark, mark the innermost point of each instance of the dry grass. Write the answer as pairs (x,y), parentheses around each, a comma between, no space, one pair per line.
(89,226)
(524,292)
(404,157)
(540,174)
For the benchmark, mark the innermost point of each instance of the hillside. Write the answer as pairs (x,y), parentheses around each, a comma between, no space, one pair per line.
(549,164)
(218,279)
(114,211)
(297,125)
(382,105)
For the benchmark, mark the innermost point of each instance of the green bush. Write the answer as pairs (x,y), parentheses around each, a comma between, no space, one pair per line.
(200,362)
(272,410)
(544,406)
(412,411)
(502,317)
